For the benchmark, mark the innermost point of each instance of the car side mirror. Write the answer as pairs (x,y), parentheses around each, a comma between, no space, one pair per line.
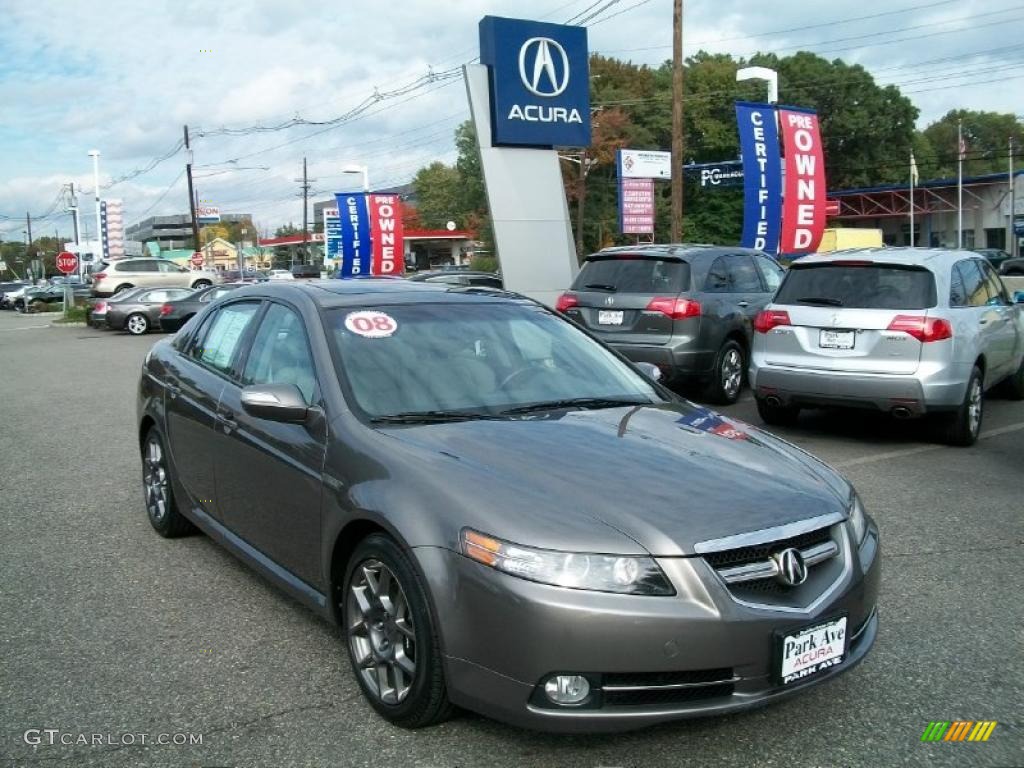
(275,402)
(1018,297)
(650,370)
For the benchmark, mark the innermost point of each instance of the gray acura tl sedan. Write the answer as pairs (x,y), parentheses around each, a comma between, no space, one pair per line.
(500,512)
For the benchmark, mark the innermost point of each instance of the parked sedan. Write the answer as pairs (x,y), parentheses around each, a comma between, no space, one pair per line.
(1012,267)
(907,331)
(8,292)
(141,312)
(174,314)
(97,317)
(501,512)
(460,277)
(37,297)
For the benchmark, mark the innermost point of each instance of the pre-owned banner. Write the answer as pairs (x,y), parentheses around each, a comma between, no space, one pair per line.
(803,213)
(354,217)
(387,235)
(762,171)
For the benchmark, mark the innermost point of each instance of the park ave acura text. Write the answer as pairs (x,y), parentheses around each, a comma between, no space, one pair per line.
(501,512)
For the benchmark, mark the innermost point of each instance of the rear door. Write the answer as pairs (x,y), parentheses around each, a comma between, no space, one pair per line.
(840,313)
(999,319)
(615,290)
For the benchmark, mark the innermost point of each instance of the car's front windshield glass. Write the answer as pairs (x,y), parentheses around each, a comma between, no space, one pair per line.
(477,359)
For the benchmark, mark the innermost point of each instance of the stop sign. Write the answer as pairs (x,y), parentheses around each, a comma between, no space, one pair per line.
(67,262)
(197,259)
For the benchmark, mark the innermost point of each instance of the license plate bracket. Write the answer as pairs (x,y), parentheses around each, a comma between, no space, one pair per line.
(609,317)
(832,339)
(808,651)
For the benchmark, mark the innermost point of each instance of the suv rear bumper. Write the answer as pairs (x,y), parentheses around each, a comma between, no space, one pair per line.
(929,389)
(674,362)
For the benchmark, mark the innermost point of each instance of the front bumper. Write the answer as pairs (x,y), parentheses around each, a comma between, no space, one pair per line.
(503,636)
(931,388)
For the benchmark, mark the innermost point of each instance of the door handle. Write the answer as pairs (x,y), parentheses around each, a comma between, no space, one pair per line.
(227,421)
(744,303)
(173,391)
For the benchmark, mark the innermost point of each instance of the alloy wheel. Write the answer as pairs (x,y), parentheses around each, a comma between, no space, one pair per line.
(154,480)
(732,372)
(974,406)
(381,634)
(137,324)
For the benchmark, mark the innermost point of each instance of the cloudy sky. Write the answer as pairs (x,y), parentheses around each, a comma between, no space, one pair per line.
(123,77)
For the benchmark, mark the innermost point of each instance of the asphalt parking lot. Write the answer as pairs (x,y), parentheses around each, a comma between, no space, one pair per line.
(108,629)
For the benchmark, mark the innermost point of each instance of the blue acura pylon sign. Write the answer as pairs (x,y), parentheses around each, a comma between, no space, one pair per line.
(540,82)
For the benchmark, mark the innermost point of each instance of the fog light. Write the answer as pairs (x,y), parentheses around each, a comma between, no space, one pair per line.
(567,689)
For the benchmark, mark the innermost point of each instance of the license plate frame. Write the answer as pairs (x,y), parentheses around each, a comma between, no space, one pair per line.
(610,316)
(829,338)
(821,662)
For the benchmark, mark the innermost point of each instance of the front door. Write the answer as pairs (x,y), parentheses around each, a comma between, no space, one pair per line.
(269,476)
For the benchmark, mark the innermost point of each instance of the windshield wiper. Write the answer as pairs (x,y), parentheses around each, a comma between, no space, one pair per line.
(576,402)
(822,300)
(427,417)
(601,287)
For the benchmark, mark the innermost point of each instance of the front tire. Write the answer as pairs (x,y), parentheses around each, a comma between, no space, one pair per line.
(727,378)
(122,288)
(392,642)
(199,284)
(159,492)
(137,324)
(962,427)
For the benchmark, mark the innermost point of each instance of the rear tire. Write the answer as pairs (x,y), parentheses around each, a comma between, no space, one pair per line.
(388,626)
(159,491)
(777,415)
(727,379)
(137,324)
(1013,387)
(962,427)
(122,288)
(198,284)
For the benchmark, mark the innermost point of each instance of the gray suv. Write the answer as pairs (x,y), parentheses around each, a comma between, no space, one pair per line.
(906,331)
(688,309)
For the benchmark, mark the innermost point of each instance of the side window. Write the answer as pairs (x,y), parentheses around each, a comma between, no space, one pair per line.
(167,266)
(957,292)
(996,296)
(218,342)
(280,353)
(743,275)
(154,296)
(771,272)
(974,283)
(144,266)
(717,280)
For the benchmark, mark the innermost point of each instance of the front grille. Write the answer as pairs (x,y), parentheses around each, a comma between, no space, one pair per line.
(659,696)
(745,555)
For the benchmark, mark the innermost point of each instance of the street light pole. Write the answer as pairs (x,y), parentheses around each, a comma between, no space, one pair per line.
(676,224)
(762,73)
(95,155)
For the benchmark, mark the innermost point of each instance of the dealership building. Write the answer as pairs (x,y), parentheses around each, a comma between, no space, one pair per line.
(987,202)
(170,232)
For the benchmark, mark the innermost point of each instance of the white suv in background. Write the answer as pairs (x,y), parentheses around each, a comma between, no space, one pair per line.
(906,331)
(113,277)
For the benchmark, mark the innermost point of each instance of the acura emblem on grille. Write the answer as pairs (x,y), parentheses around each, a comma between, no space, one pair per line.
(791,568)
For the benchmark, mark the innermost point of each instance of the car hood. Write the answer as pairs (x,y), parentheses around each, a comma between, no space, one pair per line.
(668,476)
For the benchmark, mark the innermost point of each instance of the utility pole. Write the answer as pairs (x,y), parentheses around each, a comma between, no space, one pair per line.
(677,122)
(191,194)
(28,248)
(1011,243)
(306,183)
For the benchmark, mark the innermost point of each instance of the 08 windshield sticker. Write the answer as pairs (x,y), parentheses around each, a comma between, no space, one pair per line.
(372,325)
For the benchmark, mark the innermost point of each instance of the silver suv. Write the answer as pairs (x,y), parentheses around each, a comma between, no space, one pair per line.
(113,277)
(905,331)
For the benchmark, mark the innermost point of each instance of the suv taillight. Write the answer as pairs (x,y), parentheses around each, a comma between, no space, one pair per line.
(165,310)
(922,328)
(566,301)
(99,275)
(767,319)
(677,309)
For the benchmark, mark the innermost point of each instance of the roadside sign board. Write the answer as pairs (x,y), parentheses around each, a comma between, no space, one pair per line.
(644,164)
(3,266)
(207,214)
(67,262)
(197,259)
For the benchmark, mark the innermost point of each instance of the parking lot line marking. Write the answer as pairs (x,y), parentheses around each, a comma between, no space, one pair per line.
(921,449)
(25,328)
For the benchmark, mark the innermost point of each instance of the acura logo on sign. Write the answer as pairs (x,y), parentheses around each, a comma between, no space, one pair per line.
(543,78)
(791,568)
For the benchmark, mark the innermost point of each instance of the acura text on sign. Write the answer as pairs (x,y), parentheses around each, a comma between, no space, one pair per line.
(803,212)
(540,82)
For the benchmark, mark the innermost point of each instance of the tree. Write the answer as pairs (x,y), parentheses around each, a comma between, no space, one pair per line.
(437,192)
(286,230)
(986,136)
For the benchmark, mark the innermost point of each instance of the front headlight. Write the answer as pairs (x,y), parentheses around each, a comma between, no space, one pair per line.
(575,570)
(858,522)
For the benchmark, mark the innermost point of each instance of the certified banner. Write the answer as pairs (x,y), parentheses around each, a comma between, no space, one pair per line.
(354,218)
(387,235)
(762,182)
(803,215)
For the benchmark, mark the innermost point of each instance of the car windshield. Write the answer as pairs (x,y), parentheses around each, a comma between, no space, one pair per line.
(476,360)
(859,286)
(633,274)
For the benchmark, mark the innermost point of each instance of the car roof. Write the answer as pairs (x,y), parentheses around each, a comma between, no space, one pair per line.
(934,258)
(335,292)
(678,250)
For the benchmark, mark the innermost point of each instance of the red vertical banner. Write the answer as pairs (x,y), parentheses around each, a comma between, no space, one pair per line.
(387,235)
(803,208)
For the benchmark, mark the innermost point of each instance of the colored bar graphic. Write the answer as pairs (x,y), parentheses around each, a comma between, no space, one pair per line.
(959,730)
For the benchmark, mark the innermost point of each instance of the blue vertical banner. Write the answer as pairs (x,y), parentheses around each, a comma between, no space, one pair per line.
(356,250)
(104,235)
(762,176)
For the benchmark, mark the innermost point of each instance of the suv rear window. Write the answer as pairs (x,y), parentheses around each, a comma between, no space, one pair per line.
(861,286)
(633,274)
